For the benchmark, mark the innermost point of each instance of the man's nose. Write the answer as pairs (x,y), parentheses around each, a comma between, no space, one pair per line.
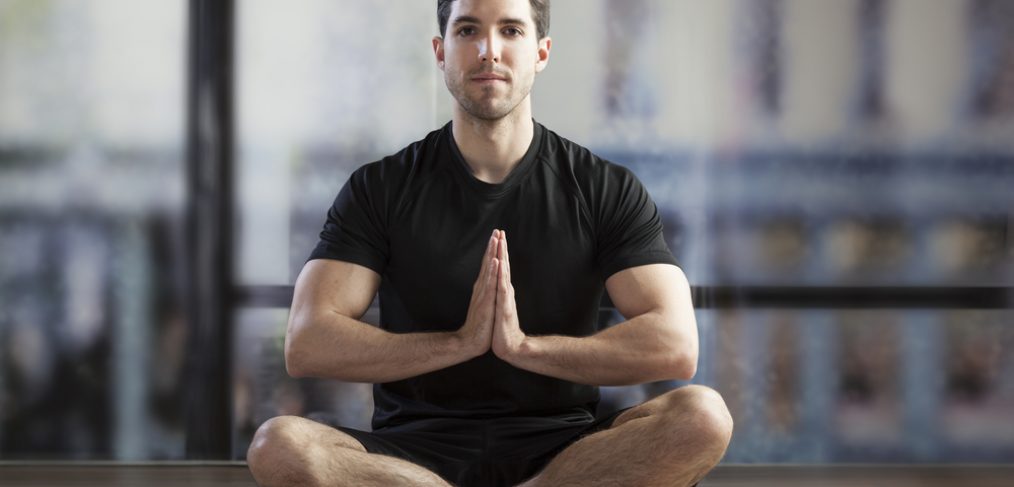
(489,49)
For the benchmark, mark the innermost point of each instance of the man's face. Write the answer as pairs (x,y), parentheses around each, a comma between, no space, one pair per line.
(490,54)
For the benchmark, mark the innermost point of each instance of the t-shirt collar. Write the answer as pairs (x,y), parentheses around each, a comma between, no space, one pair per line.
(513,179)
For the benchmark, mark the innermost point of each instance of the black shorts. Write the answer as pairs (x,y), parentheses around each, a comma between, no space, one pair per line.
(482,452)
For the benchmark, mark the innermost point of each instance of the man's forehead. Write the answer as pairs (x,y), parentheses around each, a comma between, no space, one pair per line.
(492,11)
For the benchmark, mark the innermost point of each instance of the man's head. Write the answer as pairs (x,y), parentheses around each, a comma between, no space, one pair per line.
(490,52)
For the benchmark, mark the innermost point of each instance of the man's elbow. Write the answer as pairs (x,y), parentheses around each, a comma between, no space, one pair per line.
(686,367)
(680,356)
(295,357)
(681,364)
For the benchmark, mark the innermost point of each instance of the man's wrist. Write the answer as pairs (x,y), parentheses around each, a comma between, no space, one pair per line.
(520,353)
(467,345)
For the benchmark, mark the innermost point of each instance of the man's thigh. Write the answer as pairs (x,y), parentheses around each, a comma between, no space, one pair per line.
(519,448)
(294,432)
(449,448)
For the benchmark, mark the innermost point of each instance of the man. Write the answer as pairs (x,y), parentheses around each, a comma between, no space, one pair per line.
(487,359)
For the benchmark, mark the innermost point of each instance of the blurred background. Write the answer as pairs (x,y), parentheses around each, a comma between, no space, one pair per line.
(835,176)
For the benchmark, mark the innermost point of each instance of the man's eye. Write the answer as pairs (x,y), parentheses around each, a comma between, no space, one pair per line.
(512,31)
(466,31)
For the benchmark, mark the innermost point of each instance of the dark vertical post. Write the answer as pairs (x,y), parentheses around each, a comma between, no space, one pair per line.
(209,229)
(872,20)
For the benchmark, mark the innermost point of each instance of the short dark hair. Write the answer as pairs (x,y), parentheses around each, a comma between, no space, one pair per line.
(540,15)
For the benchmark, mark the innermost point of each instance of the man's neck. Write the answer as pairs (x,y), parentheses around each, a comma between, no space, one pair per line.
(493,148)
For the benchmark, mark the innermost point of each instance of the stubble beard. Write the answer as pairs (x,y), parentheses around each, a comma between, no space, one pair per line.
(482,107)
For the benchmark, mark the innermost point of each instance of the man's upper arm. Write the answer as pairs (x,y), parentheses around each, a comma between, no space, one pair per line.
(661,289)
(325,289)
(654,287)
(332,286)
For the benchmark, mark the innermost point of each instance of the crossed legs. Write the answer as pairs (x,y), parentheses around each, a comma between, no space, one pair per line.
(674,439)
(671,440)
(289,450)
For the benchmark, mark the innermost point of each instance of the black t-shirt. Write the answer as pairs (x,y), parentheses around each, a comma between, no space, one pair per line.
(421,220)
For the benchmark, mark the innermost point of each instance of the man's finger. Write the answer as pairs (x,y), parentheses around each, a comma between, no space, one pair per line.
(502,253)
(506,256)
(503,278)
(490,246)
(488,291)
(505,301)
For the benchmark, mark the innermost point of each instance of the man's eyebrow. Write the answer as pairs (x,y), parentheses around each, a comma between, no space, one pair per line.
(467,19)
(509,21)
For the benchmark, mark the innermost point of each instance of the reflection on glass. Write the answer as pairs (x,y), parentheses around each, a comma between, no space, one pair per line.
(866,386)
(91,331)
(262,389)
(785,143)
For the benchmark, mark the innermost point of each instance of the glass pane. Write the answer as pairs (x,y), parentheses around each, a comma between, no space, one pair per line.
(262,389)
(785,143)
(318,95)
(817,386)
(91,205)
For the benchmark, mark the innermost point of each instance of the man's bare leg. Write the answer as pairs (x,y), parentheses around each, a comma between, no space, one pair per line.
(671,440)
(289,450)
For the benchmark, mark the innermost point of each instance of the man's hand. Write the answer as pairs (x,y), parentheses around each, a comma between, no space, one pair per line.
(477,332)
(507,334)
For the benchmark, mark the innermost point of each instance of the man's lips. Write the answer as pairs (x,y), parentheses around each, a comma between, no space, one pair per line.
(488,77)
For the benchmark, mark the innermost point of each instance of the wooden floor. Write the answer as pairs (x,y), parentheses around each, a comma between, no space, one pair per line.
(860,476)
(236,474)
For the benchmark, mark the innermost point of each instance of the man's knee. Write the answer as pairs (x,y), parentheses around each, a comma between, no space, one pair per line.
(700,415)
(274,439)
(276,449)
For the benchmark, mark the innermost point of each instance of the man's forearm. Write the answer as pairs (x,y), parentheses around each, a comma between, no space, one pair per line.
(342,348)
(639,350)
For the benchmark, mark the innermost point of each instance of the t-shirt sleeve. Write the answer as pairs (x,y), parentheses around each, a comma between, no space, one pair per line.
(355,228)
(630,229)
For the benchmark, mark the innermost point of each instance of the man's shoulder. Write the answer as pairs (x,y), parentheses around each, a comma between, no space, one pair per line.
(573,160)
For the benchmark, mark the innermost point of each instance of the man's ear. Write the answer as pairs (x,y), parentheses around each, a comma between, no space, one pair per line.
(438,51)
(545,44)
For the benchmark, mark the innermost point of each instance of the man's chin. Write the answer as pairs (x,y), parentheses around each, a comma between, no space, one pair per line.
(489,113)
